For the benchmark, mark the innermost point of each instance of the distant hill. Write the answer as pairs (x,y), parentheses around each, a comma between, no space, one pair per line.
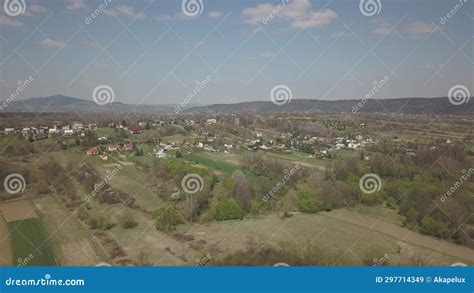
(64,104)
(438,106)
(429,106)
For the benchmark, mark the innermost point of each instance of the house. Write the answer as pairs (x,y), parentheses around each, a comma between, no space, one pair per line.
(318,154)
(160,154)
(93,126)
(92,151)
(142,124)
(77,126)
(9,130)
(112,147)
(128,146)
(135,130)
(68,132)
(53,130)
(211,121)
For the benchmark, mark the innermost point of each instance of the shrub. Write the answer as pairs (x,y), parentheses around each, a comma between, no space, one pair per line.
(227,209)
(127,222)
(307,203)
(167,217)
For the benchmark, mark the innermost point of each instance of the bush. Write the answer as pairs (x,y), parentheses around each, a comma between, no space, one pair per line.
(227,209)
(167,217)
(128,222)
(307,203)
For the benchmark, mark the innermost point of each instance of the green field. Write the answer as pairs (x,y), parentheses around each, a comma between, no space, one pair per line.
(30,237)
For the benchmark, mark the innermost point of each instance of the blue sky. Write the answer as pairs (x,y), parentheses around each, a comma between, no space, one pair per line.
(150,52)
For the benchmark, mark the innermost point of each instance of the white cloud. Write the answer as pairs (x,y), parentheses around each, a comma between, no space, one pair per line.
(76,4)
(420,28)
(341,34)
(5,20)
(267,55)
(35,8)
(178,16)
(298,12)
(124,10)
(383,27)
(215,14)
(50,43)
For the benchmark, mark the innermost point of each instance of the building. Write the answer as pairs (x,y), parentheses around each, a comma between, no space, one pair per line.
(135,130)
(92,151)
(112,147)
(68,132)
(128,147)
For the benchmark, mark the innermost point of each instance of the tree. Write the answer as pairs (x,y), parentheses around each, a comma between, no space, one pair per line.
(167,217)
(178,155)
(242,190)
(227,209)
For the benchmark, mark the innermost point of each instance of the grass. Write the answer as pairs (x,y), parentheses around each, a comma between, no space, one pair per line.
(30,237)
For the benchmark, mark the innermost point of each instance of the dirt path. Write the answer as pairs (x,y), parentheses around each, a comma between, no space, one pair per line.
(403,234)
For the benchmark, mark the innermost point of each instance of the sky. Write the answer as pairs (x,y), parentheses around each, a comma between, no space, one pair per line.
(160,52)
